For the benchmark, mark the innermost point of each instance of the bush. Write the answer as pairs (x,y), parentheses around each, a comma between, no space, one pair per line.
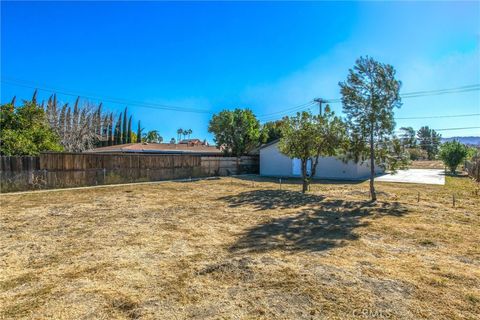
(417,154)
(452,154)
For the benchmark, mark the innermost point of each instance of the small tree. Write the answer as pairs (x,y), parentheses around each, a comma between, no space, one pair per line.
(307,137)
(237,131)
(153,137)
(369,96)
(452,154)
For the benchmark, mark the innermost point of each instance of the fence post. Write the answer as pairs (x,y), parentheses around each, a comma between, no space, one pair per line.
(104,175)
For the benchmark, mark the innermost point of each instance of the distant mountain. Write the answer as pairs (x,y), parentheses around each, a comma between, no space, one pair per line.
(474,141)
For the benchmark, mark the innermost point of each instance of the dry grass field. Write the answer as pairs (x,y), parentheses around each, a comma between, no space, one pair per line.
(427,164)
(236,249)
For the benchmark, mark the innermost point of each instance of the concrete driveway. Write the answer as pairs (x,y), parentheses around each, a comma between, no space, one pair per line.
(424,176)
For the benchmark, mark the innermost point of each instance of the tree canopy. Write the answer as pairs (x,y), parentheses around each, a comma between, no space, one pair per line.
(308,137)
(452,154)
(237,131)
(369,96)
(26,131)
(429,140)
(271,131)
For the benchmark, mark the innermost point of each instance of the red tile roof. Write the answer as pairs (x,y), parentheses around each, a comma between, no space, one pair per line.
(159,148)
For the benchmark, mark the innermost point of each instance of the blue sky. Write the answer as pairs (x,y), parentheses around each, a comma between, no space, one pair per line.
(266,56)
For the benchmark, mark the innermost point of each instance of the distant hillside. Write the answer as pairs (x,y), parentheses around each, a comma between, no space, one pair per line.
(466,140)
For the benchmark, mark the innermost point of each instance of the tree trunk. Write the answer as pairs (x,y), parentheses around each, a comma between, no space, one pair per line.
(304,176)
(373,195)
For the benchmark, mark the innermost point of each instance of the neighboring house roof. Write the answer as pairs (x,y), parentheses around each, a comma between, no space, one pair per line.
(165,148)
(269,143)
(190,141)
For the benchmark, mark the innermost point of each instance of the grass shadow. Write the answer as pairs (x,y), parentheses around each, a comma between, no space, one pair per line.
(293,180)
(323,225)
(272,199)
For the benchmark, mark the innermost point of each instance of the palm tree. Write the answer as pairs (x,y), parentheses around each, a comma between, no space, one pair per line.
(179,134)
(189,132)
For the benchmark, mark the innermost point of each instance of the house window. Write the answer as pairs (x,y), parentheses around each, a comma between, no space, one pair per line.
(297,167)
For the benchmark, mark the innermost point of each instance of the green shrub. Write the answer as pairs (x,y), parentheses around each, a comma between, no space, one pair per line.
(452,154)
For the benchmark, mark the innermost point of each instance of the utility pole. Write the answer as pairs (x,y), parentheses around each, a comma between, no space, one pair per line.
(320,101)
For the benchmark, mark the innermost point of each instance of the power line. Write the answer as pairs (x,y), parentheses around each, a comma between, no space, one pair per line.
(436,117)
(107,99)
(301,106)
(450,129)
(414,94)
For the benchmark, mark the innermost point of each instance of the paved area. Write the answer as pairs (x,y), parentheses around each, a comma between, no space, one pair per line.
(424,176)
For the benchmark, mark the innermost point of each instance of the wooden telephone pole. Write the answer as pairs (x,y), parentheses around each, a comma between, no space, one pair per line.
(320,101)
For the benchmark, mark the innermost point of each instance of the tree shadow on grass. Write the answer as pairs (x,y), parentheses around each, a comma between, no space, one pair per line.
(325,224)
(272,199)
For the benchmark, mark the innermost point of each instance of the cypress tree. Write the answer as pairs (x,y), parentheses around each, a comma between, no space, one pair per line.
(124,127)
(76,113)
(129,130)
(54,111)
(118,130)
(34,98)
(104,140)
(68,121)
(62,120)
(110,130)
(139,133)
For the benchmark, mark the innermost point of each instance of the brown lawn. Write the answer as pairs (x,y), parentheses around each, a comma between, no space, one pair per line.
(427,164)
(236,249)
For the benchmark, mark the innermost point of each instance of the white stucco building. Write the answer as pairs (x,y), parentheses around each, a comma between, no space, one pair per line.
(275,164)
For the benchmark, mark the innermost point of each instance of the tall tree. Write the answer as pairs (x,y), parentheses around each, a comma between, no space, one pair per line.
(76,113)
(139,133)
(236,132)
(179,134)
(129,130)
(369,96)
(62,120)
(124,127)
(308,137)
(68,120)
(429,140)
(111,130)
(105,131)
(407,137)
(118,130)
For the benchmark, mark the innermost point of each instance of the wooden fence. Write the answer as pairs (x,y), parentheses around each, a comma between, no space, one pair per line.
(61,170)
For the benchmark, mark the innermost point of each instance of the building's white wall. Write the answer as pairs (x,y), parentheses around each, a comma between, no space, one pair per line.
(274,163)
(334,168)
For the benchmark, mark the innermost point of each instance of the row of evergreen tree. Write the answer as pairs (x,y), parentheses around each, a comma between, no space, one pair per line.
(88,125)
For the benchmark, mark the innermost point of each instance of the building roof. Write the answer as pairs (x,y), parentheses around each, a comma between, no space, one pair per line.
(166,148)
(269,144)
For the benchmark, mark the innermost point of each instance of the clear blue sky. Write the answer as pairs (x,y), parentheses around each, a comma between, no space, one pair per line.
(265,56)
